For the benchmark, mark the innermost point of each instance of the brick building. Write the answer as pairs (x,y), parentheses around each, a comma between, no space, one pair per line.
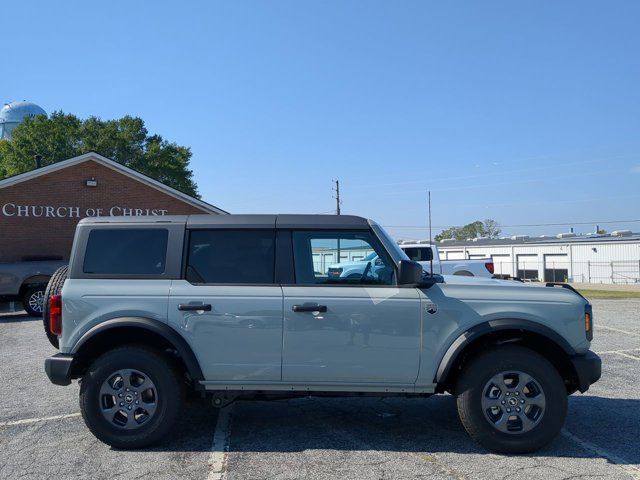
(39,209)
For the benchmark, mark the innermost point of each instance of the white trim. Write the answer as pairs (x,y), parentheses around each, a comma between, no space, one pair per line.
(107,162)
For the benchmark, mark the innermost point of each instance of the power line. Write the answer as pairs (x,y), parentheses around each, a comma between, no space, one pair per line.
(522,224)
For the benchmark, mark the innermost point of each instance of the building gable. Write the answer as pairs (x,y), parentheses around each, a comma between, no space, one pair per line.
(39,210)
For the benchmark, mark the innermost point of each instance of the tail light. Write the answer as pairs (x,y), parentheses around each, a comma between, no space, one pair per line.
(588,321)
(489,266)
(55,314)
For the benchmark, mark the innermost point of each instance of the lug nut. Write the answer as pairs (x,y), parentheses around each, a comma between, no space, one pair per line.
(517,393)
(122,404)
(518,409)
(120,395)
(508,410)
(521,401)
(503,402)
(127,389)
(137,402)
(507,394)
(129,407)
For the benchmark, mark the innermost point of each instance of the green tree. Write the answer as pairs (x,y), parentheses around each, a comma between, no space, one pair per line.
(486,228)
(125,140)
(490,228)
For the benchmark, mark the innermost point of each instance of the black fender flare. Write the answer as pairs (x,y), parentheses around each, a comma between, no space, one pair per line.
(492,326)
(155,326)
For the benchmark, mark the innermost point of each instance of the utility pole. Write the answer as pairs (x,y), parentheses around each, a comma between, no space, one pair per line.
(430,239)
(337,196)
(338,202)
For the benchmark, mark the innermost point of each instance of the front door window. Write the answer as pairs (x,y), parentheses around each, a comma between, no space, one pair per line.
(334,258)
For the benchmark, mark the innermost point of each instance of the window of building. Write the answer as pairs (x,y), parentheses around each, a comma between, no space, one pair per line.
(231,256)
(340,258)
(126,251)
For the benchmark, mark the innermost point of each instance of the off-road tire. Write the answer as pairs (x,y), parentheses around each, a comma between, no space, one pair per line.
(472,381)
(167,380)
(54,287)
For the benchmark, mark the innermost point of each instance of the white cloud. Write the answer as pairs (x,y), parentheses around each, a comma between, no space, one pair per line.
(636,169)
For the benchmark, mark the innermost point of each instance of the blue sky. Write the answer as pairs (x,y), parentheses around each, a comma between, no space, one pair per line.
(527,113)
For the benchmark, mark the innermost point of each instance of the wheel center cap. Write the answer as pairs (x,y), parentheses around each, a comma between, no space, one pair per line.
(128,398)
(513,402)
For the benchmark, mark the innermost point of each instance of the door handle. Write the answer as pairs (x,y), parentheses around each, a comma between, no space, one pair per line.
(307,307)
(190,307)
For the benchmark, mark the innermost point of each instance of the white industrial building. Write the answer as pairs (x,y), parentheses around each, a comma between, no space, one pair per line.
(594,258)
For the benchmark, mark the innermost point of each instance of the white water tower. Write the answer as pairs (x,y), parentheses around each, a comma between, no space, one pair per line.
(12,114)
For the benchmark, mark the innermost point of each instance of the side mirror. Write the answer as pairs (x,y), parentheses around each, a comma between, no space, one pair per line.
(409,272)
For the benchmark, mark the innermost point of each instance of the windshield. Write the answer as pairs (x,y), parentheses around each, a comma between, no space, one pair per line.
(389,243)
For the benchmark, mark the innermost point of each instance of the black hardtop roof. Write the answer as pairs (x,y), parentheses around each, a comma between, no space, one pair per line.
(242,221)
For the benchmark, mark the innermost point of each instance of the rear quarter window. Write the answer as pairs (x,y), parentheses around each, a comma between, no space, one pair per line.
(126,252)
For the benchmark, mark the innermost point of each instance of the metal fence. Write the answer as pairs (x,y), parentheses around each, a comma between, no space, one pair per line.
(613,272)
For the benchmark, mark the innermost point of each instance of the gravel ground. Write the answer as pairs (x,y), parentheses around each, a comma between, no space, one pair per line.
(319,438)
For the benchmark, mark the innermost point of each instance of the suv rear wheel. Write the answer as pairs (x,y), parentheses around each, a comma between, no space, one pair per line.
(131,397)
(511,400)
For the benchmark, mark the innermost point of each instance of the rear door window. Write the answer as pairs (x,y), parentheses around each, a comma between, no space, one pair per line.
(231,257)
(126,251)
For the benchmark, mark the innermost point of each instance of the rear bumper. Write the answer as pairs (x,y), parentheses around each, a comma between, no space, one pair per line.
(58,368)
(588,369)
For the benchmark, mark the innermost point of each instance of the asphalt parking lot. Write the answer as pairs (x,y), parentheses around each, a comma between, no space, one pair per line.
(43,436)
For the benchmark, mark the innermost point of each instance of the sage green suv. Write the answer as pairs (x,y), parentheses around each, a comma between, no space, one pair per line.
(237,306)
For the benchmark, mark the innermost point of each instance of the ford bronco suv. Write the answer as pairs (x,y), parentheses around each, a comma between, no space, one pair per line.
(245,306)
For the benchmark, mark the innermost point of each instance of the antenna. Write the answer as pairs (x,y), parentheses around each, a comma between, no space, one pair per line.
(337,197)
(430,241)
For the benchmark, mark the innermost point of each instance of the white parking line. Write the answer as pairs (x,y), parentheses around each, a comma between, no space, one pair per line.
(618,330)
(632,470)
(627,356)
(36,420)
(220,445)
(619,351)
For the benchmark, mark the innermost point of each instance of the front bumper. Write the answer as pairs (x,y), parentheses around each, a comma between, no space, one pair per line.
(58,368)
(588,369)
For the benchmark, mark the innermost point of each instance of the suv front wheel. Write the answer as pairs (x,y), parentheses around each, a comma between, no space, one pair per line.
(131,397)
(511,400)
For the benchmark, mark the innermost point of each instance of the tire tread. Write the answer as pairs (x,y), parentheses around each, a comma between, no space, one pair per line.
(54,287)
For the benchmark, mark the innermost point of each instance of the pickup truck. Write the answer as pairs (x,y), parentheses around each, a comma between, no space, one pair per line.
(243,306)
(26,282)
(421,253)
